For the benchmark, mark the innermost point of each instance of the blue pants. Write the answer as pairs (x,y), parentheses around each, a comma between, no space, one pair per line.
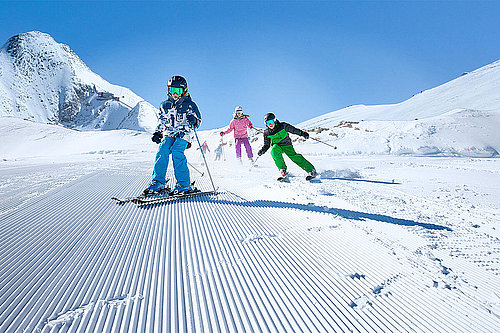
(176,147)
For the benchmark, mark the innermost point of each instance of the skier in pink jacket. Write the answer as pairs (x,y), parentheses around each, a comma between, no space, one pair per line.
(239,125)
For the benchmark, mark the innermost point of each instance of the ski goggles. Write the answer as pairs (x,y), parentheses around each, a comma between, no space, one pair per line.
(270,122)
(175,90)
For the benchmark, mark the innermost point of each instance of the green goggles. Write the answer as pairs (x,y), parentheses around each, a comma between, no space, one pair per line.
(270,122)
(175,90)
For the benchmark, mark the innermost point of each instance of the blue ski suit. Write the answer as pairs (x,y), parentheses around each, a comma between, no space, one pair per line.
(177,136)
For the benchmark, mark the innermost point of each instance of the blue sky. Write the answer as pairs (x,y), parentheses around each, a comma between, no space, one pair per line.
(298,59)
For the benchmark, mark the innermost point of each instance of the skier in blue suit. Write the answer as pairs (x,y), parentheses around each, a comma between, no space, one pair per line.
(177,117)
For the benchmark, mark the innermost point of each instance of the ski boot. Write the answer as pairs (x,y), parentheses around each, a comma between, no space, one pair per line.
(154,187)
(311,174)
(180,190)
(284,175)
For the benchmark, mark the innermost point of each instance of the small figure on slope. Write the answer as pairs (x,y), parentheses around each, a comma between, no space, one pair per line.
(204,148)
(218,152)
(239,124)
(276,134)
(177,117)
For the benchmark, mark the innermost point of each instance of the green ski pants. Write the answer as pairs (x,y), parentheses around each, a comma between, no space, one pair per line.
(277,154)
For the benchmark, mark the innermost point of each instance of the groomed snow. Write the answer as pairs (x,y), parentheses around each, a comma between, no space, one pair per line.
(376,243)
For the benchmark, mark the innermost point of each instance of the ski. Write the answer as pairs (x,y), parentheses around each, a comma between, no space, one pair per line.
(253,166)
(121,201)
(283,178)
(170,197)
(313,174)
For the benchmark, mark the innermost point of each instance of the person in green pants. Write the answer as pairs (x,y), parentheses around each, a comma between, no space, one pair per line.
(276,134)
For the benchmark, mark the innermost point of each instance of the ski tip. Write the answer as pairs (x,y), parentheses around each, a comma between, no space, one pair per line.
(313,180)
(118,200)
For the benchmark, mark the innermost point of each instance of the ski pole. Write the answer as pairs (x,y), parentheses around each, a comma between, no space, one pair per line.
(253,164)
(258,130)
(334,147)
(202,154)
(192,166)
(222,147)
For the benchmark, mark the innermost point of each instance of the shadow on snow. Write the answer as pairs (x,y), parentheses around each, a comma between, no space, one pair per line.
(348,214)
(361,180)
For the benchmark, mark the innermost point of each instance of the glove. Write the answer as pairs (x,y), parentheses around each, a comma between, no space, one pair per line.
(260,153)
(305,134)
(191,119)
(221,133)
(157,136)
(188,145)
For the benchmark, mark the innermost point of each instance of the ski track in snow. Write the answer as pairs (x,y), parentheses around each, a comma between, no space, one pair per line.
(348,253)
(68,317)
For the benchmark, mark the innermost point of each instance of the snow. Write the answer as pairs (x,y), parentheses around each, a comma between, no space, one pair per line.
(377,242)
(45,81)
(477,90)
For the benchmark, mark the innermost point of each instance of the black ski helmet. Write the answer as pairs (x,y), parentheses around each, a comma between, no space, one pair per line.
(177,81)
(269,116)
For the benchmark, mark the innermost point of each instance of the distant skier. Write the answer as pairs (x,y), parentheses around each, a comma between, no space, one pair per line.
(239,124)
(204,147)
(177,117)
(276,134)
(219,151)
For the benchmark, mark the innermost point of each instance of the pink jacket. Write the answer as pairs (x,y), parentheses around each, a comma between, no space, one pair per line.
(240,127)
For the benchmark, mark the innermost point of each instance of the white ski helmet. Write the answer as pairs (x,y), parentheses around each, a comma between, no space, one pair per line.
(238,109)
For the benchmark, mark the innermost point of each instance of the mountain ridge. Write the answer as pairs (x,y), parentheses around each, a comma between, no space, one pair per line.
(476,90)
(45,81)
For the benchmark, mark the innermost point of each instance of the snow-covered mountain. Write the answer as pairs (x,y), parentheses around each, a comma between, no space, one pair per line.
(477,90)
(458,118)
(45,81)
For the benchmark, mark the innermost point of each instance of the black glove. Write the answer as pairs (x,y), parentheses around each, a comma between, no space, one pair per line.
(222,134)
(191,119)
(260,152)
(157,136)
(188,145)
(305,134)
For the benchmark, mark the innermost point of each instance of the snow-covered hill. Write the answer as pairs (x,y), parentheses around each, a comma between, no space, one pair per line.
(22,139)
(466,133)
(459,118)
(477,90)
(45,81)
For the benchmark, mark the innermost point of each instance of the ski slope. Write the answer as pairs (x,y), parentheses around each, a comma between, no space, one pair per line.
(385,243)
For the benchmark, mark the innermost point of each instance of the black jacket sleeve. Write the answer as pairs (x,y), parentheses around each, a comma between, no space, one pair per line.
(265,147)
(291,129)
(194,109)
